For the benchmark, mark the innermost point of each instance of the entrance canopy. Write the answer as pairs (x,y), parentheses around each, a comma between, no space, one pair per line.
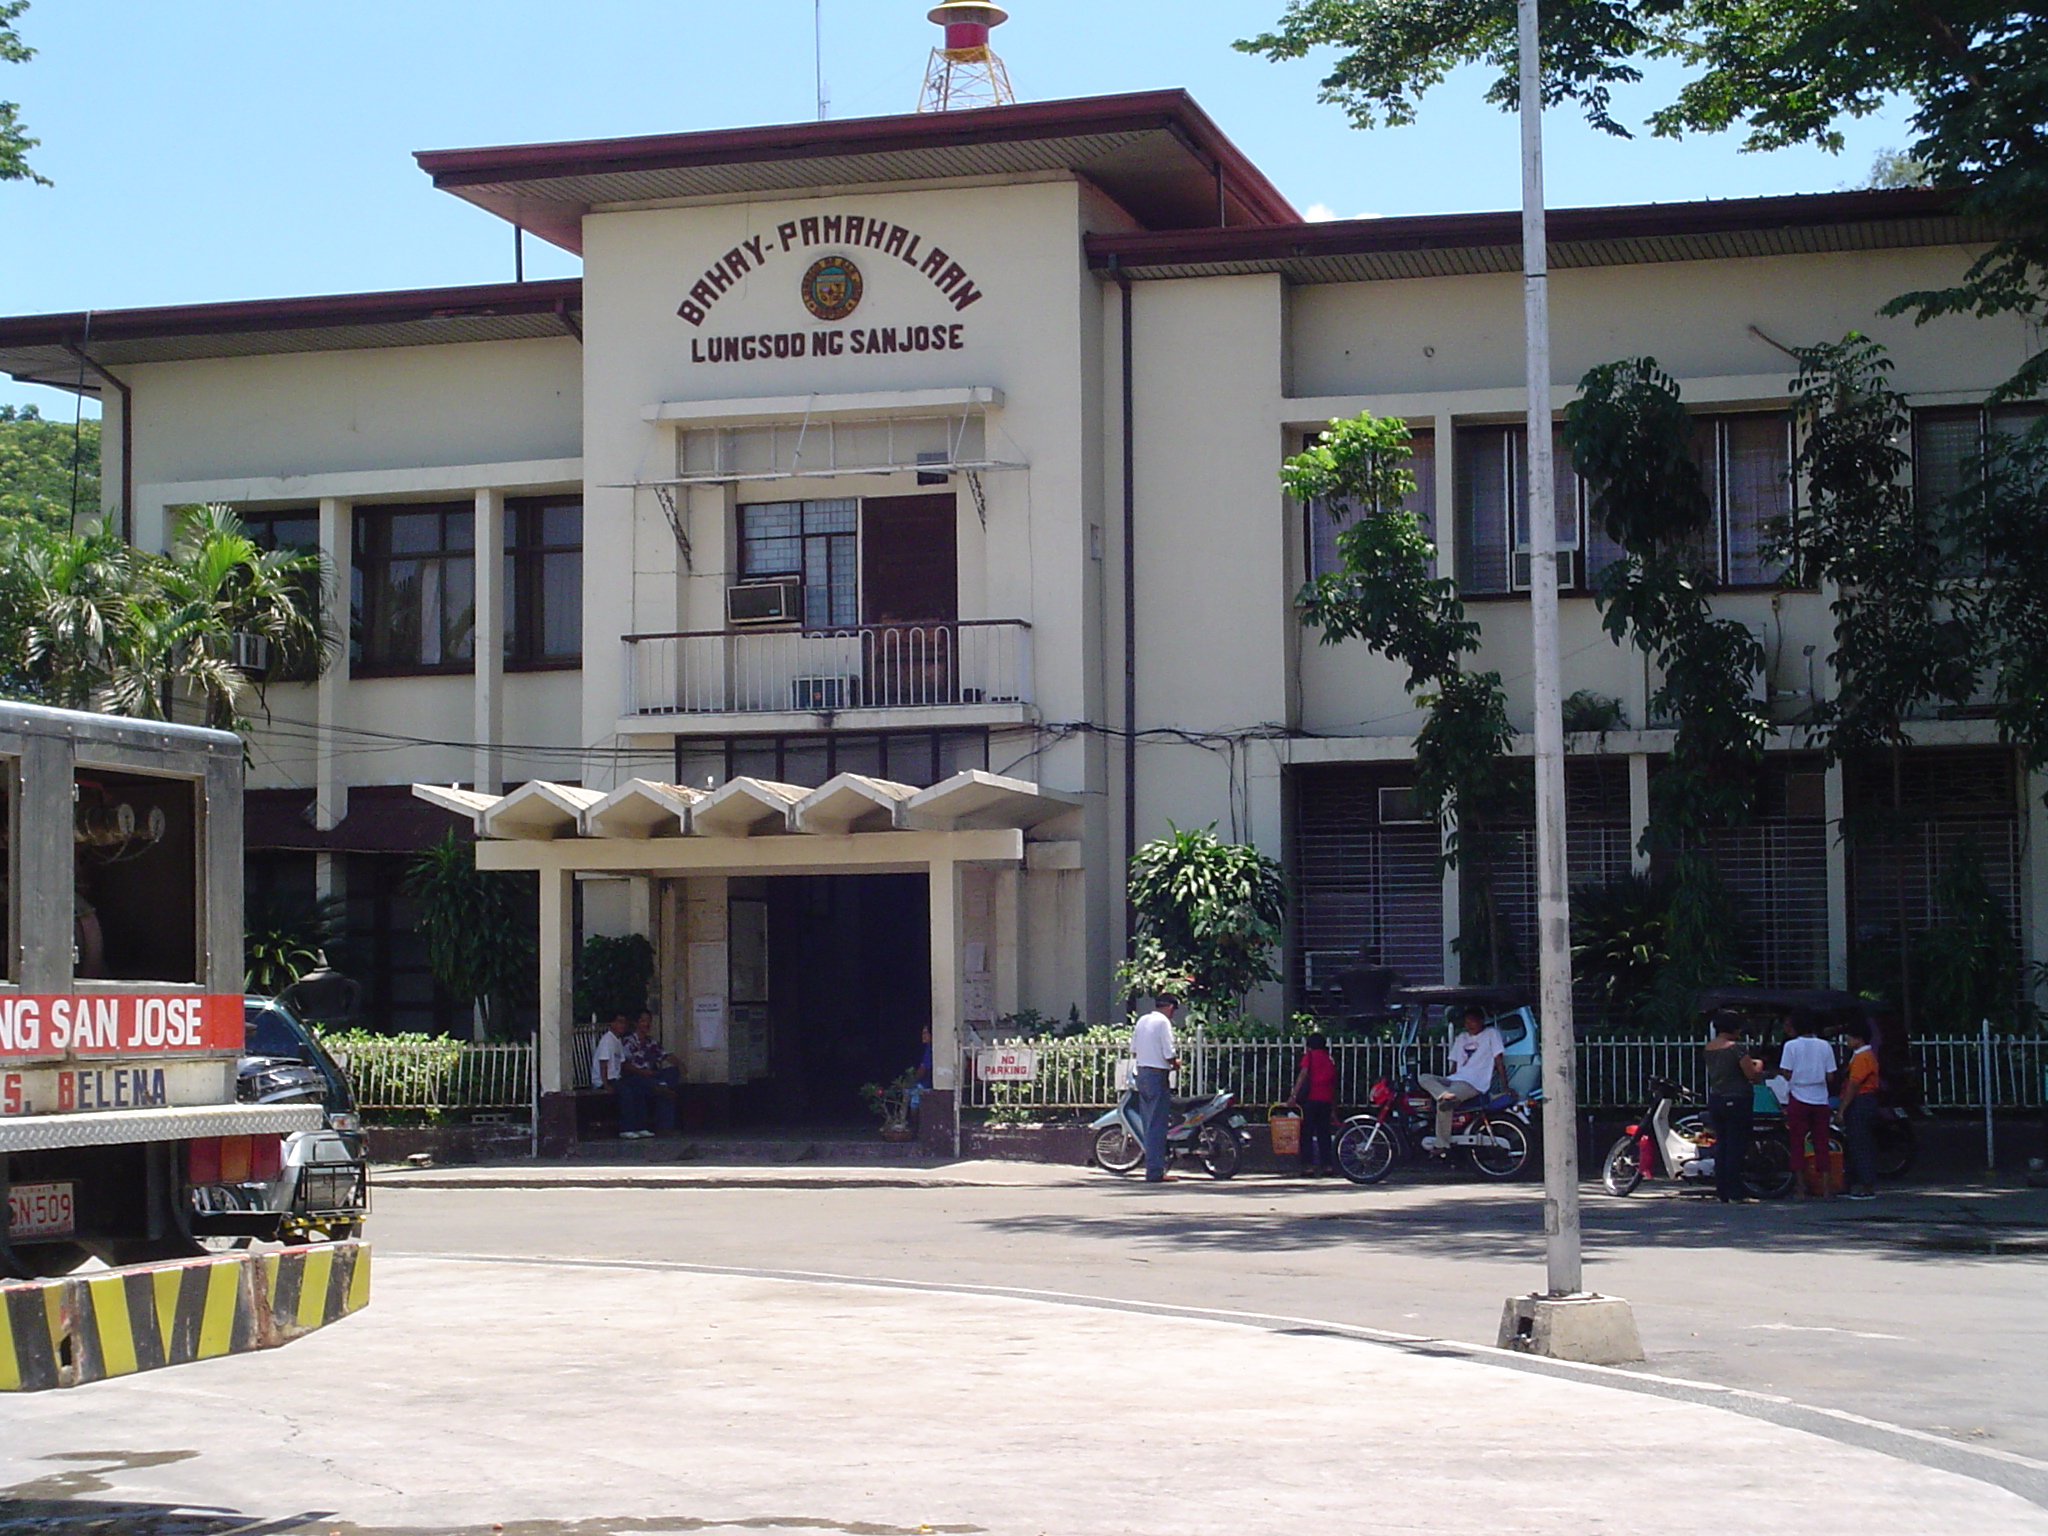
(963,834)
(642,810)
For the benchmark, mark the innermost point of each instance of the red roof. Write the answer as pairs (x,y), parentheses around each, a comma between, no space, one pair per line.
(1156,152)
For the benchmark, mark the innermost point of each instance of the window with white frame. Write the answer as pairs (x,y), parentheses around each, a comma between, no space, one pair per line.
(1745,462)
(1322,528)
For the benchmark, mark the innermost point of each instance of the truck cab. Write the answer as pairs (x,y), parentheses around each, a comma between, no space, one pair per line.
(123,1028)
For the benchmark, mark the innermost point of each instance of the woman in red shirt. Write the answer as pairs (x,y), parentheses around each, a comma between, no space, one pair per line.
(1315,1095)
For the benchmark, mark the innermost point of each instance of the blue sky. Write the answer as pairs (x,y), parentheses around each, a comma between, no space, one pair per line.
(225,149)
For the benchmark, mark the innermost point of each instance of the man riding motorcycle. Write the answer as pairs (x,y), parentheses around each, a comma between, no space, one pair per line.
(1475,1057)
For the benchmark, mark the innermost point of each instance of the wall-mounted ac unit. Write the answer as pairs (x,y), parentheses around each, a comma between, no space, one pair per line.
(250,652)
(1398,807)
(822,693)
(765,602)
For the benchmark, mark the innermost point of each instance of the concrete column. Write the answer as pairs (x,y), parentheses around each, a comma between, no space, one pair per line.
(948,930)
(330,790)
(707,979)
(492,607)
(1834,802)
(1638,811)
(1006,944)
(1446,496)
(1453,923)
(557,980)
(2035,930)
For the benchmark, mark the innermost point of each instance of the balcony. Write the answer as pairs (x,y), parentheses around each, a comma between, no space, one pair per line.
(968,671)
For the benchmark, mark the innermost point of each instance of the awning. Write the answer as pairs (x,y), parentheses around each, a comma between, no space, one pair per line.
(852,803)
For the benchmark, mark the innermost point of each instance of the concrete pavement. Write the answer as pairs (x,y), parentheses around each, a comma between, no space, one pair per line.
(582,1398)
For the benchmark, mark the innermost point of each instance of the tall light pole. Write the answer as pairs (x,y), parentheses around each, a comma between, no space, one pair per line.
(1563,1321)
(1553,902)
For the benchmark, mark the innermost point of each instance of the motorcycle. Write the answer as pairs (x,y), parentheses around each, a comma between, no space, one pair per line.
(1492,1135)
(1204,1127)
(1681,1148)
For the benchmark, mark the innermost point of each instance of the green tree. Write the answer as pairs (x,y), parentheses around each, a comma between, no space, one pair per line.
(1208,918)
(208,614)
(14,140)
(475,926)
(48,469)
(1631,440)
(1385,594)
(89,622)
(613,976)
(1784,71)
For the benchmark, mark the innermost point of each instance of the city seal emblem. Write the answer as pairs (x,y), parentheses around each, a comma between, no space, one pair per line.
(832,288)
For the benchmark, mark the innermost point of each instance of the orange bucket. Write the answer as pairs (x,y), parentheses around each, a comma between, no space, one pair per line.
(1285,1124)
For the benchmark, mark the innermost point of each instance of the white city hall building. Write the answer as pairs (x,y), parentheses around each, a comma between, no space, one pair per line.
(883,536)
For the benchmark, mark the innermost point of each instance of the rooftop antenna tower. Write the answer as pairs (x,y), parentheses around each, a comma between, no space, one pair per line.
(965,71)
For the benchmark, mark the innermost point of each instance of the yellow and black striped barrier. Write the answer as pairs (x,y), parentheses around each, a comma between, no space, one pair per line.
(64,1333)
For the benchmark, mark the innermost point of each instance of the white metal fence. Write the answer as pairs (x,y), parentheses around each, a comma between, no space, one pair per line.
(1073,1075)
(1069,1076)
(862,666)
(437,1075)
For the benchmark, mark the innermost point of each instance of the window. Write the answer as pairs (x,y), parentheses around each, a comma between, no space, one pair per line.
(297,530)
(920,758)
(1946,438)
(1744,460)
(293,531)
(1323,528)
(815,541)
(135,868)
(1493,512)
(1747,463)
(544,583)
(415,588)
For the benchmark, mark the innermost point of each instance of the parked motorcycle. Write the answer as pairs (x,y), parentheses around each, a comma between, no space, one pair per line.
(1205,1127)
(1491,1135)
(1680,1147)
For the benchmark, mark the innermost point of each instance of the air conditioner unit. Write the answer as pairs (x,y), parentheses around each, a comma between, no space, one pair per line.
(822,693)
(250,652)
(1398,807)
(1567,570)
(765,602)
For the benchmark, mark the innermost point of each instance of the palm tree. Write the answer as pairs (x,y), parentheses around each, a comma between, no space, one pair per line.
(194,611)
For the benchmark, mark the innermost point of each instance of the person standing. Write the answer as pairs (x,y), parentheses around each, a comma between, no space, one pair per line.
(1806,1063)
(1315,1095)
(1859,1112)
(1732,1074)
(1152,1050)
(1474,1056)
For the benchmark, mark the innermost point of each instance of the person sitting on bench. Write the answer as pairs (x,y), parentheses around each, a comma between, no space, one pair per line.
(650,1083)
(1474,1056)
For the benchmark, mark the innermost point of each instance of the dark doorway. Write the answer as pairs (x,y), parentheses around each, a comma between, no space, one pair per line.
(910,598)
(849,993)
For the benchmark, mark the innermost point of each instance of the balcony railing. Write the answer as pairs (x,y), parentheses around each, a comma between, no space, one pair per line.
(918,665)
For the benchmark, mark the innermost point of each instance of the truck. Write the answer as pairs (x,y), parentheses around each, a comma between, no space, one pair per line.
(130,1131)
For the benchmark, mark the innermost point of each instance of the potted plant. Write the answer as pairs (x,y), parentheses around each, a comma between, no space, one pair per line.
(890,1103)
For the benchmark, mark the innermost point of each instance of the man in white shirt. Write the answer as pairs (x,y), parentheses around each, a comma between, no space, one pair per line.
(608,1064)
(1806,1061)
(1152,1051)
(1474,1056)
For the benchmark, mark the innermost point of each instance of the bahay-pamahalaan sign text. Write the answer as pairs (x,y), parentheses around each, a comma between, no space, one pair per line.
(831,287)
